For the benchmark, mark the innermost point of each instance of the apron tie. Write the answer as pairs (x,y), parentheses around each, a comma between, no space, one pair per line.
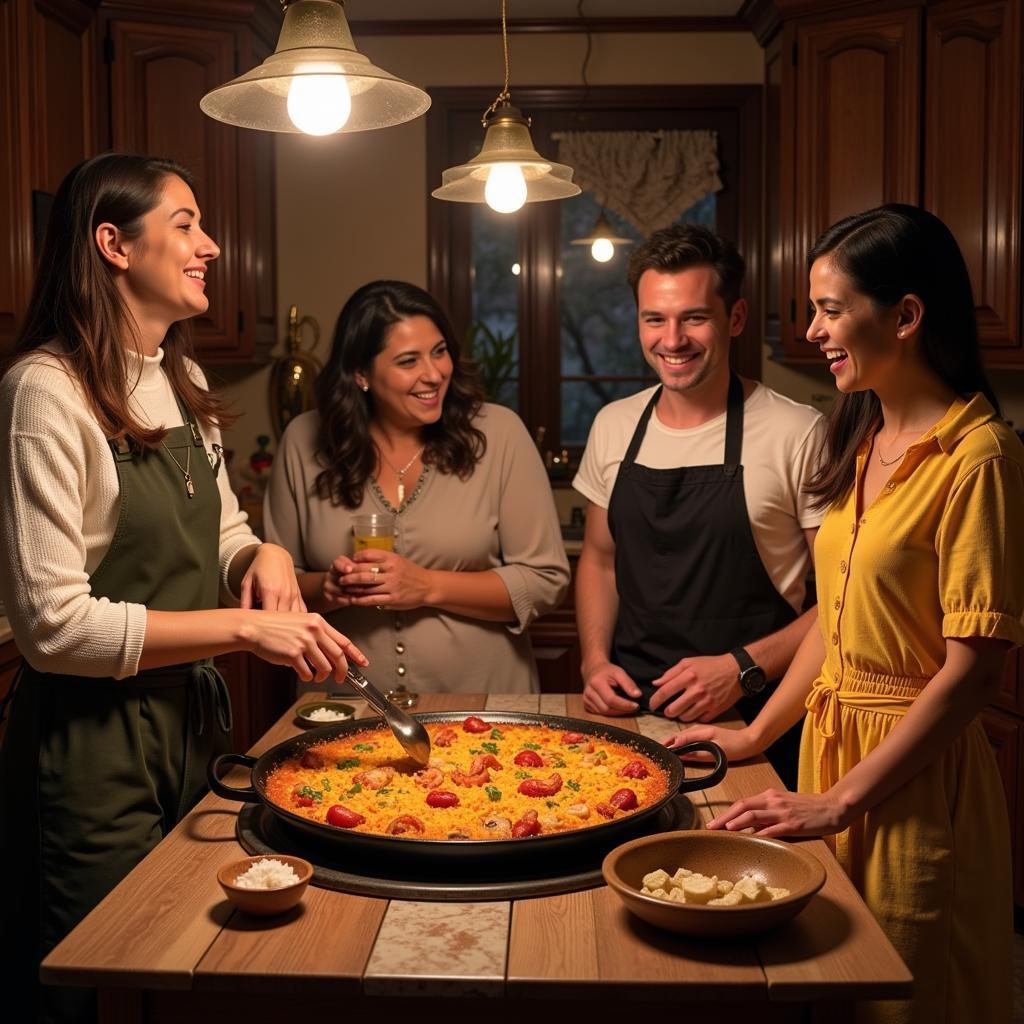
(207,686)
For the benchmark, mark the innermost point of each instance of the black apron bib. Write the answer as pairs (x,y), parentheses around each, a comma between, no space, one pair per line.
(688,574)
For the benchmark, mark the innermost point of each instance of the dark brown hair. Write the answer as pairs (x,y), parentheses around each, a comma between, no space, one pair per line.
(345,447)
(887,253)
(76,302)
(681,246)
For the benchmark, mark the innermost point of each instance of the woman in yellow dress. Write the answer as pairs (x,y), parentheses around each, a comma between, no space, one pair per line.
(920,564)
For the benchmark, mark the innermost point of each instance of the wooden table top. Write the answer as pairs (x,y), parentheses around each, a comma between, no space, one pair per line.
(167,926)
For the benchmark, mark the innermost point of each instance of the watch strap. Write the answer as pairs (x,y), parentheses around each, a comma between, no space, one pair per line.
(743,659)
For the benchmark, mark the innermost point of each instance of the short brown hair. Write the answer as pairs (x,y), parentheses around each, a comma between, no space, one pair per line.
(681,246)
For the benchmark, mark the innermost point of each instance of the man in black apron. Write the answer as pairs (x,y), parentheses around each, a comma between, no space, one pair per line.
(677,612)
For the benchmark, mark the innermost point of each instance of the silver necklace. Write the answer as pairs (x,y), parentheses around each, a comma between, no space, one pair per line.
(186,470)
(400,473)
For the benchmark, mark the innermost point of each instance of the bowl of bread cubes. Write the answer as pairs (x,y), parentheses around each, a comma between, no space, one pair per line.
(713,883)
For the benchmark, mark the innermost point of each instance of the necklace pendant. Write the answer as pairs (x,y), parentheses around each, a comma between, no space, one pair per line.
(189,487)
(401,493)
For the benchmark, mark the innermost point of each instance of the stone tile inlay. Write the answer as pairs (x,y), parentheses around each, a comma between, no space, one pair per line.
(656,728)
(528,702)
(440,949)
(552,703)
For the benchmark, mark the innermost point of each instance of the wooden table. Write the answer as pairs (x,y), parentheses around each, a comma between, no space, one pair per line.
(165,945)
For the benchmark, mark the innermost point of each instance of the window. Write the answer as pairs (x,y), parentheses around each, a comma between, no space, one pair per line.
(563,326)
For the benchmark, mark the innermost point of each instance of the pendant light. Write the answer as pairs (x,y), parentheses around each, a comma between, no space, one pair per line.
(602,239)
(316,81)
(507,171)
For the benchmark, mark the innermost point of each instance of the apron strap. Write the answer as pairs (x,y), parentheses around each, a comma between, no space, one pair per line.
(641,429)
(207,686)
(734,426)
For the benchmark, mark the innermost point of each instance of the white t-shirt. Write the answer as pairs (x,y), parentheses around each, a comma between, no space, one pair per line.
(781,443)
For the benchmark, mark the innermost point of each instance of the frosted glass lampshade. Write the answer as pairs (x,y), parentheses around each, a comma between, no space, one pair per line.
(507,141)
(315,41)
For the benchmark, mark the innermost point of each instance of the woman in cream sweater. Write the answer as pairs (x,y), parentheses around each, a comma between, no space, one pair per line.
(120,537)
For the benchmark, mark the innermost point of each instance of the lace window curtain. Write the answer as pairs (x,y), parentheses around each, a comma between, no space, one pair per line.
(648,178)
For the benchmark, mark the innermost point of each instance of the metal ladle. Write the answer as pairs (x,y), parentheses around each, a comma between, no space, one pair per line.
(407,730)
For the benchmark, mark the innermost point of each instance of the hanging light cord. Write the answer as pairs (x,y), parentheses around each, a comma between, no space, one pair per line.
(586,58)
(504,96)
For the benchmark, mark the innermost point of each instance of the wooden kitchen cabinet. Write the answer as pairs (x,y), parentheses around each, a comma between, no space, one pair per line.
(972,155)
(918,102)
(48,68)
(162,58)
(849,138)
(556,644)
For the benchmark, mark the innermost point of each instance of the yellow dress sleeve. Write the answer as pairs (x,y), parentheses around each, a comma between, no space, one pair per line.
(980,544)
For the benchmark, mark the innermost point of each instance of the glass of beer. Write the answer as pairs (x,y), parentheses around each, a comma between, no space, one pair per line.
(373,530)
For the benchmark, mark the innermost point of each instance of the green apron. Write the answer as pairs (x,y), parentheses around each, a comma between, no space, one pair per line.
(95,771)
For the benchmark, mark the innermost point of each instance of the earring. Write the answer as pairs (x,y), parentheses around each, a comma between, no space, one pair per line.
(901,333)
(366,387)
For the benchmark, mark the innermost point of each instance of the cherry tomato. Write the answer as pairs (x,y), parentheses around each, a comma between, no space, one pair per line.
(624,799)
(573,737)
(474,724)
(403,824)
(529,759)
(304,801)
(311,759)
(527,825)
(634,770)
(442,798)
(342,817)
(535,787)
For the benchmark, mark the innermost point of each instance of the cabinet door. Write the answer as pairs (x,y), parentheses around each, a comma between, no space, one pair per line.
(852,92)
(158,75)
(14,219)
(972,176)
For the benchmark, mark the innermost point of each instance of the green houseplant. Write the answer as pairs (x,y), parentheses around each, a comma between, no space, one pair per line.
(496,354)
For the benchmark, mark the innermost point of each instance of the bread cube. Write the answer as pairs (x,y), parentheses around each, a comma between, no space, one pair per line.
(656,879)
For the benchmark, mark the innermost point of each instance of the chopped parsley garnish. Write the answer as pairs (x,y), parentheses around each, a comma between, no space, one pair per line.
(474,750)
(383,792)
(493,793)
(530,746)
(496,734)
(357,788)
(364,747)
(325,785)
(522,775)
(349,762)
(491,748)
(572,784)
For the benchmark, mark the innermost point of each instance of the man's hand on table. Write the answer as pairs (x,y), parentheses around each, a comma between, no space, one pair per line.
(697,689)
(601,688)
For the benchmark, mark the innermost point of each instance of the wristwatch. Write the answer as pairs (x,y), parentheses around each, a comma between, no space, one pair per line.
(752,677)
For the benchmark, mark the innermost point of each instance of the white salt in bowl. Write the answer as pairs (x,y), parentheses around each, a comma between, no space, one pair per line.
(264,902)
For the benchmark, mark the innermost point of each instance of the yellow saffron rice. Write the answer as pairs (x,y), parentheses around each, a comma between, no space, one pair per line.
(589,772)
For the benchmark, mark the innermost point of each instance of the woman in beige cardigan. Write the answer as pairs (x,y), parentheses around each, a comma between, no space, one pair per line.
(401,427)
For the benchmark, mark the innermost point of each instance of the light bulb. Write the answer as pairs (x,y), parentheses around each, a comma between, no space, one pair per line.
(505,190)
(602,250)
(516,268)
(319,104)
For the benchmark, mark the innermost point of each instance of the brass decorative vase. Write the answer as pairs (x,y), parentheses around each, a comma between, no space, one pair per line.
(293,374)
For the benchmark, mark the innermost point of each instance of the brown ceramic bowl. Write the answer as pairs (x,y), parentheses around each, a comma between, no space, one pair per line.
(725,854)
(264,901)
